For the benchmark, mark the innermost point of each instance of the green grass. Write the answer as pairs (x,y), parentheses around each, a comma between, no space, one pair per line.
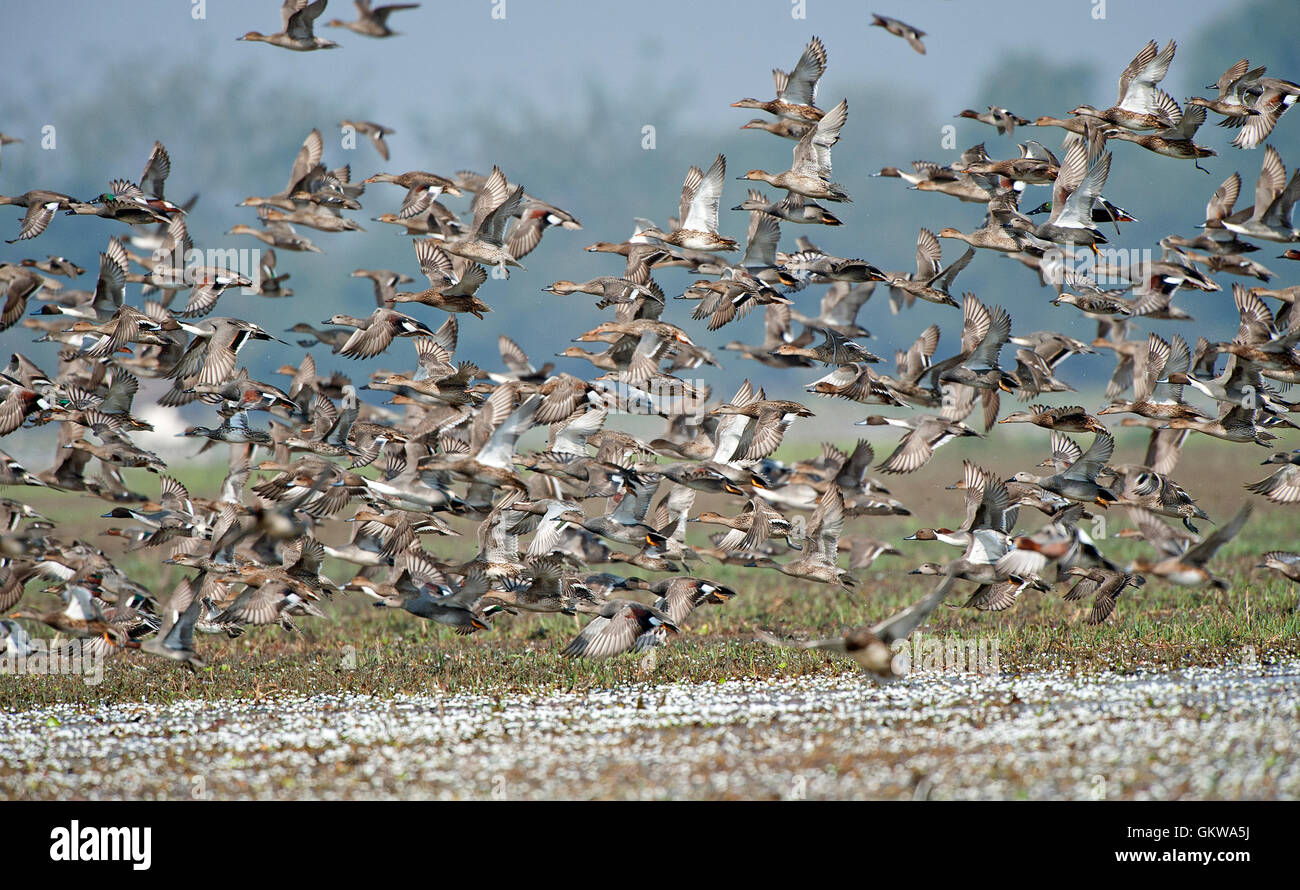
(361,649)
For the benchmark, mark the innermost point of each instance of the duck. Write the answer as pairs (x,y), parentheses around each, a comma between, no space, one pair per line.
(796,91)
(809,174)
(1283,485)
(786,129)
(419,184)
(1235,423)
(792,208)
(999,118)
(1270,218)
(835,349)
(1141,486)
(823,534)
(1286,564)
(1078,185)
(1184,564)
(858,383)
(298,18)
(874,648)
(432,600)
(324,221)
(1034,167)
(1140,105)
(1233,101)
(985,330)
(280,235)
(41,206)
(175,638)
(374,333)
(931,281)
(863,552)
(838,310)
(1068,418)
(993,237)
(6,139)
(611,289)
(1104,586)
(492,207)
(372,22)
(698,230)
(1153,398)
(1173,142)
(81,615)
(1078,481)
(532,217)
(750,528)
(19,285)
(678,598)
(931,177)
(452,283)
(811,265)
(768,421)
(900,29)
(925,435)
(385,282)
(1274,97)
(617,628)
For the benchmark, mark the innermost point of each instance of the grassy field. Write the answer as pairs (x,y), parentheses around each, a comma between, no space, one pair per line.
(361,649)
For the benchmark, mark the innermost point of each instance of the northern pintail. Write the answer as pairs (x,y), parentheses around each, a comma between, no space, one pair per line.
(698,229)
(452,282)
(796,91)
(1104,586)
(809,174)
(1183,563)
(1286,564)
(297,20)
(493,206)
(1270,218)
(924,436)
(931,281)
(1173,142)
(822,549)
(792,208)
(1000,118)
(900,29)
(372,21)
(874,648)
(1140,105)
(1078,482)
(41,206)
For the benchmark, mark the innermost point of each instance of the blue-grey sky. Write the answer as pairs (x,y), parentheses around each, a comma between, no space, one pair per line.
(557,93)
(549,50)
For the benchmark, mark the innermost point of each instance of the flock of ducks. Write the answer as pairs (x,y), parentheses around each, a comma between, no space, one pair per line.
(441,435)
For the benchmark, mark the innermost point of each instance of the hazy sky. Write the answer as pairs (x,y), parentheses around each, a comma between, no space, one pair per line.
(544,50)
(455,66)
